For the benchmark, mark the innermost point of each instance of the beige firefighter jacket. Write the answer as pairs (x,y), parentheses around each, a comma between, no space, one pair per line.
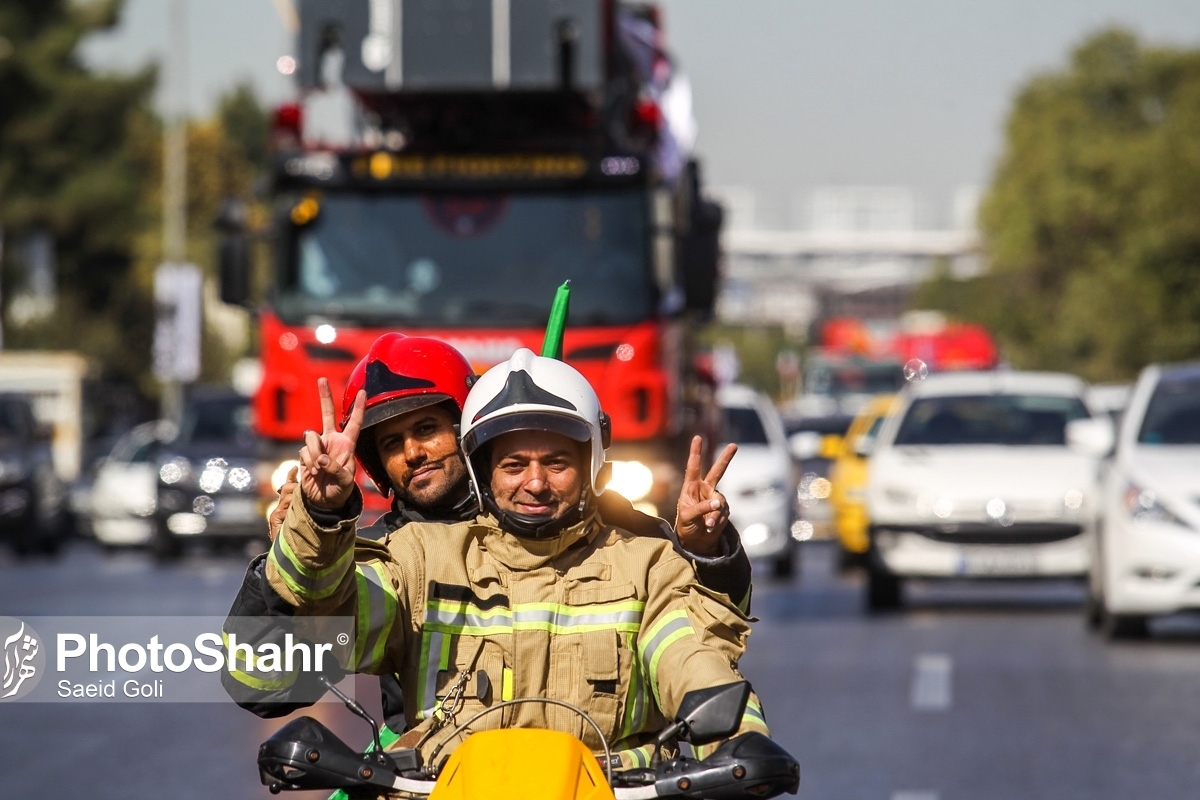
(468,615)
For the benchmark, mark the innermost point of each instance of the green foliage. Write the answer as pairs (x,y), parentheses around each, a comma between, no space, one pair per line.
(73,149)
(81,159)
(757,348)
(247,125)
(1090,227)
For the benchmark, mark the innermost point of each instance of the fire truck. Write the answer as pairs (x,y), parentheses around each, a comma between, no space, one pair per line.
(498,149)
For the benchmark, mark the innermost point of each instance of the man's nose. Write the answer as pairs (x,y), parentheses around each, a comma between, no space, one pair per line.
(535,478)
(414,450)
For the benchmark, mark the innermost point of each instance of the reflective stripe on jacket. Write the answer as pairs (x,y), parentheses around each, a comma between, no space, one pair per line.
(597,617)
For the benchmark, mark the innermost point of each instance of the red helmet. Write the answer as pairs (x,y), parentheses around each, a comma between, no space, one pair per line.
(401,374)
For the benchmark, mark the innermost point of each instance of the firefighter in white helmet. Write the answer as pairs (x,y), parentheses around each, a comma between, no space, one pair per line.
(536,597)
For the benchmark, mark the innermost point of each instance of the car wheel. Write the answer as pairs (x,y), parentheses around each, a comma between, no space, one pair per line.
(164,545)
(1126,626)
(784,566)
(847,560)
(884,589)
(1093,612)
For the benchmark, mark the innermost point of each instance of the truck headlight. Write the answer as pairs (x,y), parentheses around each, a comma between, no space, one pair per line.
(756,533)
(633,480)
(280,474)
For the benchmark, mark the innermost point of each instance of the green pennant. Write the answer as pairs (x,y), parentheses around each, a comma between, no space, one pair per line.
(552,345)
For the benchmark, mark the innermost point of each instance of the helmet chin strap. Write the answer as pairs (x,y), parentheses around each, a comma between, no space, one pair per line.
(466,507)
(528,526)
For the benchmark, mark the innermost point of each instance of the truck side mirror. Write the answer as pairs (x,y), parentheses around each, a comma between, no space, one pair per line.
(700,252)
(233,254)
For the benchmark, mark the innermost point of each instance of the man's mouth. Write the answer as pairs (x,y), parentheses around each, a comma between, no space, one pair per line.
(423,472)
(536,509)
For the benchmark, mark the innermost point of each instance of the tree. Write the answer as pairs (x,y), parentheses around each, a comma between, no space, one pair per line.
(74,147)
(1089,226)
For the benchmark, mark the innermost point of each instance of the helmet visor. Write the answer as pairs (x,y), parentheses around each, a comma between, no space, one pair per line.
(401,405)
(488,430)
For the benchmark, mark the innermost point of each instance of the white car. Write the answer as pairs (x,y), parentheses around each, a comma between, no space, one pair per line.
(124,493)
(1148,527)
(973,477)
(759,481)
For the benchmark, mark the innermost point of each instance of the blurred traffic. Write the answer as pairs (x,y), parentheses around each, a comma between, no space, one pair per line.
(968,421)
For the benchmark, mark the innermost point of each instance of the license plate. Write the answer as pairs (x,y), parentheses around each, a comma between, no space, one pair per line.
(997,562)
(235,509)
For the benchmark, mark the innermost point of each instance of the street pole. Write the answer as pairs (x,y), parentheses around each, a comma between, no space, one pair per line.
(175,172)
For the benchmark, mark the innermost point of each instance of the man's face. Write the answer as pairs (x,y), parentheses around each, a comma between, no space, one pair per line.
(420,453)
(537,473)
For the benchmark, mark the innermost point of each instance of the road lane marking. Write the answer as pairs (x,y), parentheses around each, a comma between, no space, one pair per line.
(914,795)
(932,673)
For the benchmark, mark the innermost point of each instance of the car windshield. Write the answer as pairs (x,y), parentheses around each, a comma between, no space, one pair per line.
(1004,419)
(1173,416)
(220,419)
(460,260)
(13,420)
(839,379)
(744,426)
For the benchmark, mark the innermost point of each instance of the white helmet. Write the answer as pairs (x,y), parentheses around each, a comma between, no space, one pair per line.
(531,392)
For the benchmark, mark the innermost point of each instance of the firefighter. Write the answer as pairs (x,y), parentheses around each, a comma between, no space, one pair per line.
(415,389)
(535,597)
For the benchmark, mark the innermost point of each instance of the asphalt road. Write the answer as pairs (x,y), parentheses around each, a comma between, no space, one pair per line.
(974,692)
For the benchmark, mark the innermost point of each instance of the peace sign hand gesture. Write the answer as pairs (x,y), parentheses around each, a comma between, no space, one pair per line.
(327,459)
(703,512)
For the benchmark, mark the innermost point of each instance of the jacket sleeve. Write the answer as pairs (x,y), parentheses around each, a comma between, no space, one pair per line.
(728,572)
(319,568)
(260,616)
(691,638)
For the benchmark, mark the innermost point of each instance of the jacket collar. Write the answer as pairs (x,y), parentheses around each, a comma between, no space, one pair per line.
(526,554)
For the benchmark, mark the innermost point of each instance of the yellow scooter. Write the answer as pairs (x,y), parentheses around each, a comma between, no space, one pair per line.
(531,764)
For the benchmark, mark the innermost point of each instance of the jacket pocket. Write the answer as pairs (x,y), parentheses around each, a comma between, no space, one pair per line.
(600,654)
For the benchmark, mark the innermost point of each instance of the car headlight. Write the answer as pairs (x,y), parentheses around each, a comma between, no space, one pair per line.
(1144,506)
(175,471)
(633,480)
(812,489)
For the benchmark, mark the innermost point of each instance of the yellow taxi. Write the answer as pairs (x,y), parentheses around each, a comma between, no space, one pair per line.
(848,475)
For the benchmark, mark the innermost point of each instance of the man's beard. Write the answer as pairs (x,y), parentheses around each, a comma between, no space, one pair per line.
(446,495)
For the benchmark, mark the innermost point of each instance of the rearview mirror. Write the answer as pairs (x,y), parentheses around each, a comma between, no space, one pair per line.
(1092,436)
(831,446)
(706,715)
(804,445)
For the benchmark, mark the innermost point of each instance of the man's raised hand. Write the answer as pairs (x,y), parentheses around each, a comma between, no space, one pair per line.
(327,459)
(703,512)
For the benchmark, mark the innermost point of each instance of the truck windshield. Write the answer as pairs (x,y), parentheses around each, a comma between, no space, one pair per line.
(990,419)
(462,261)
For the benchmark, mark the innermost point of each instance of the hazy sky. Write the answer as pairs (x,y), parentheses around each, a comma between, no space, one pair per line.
(789,94)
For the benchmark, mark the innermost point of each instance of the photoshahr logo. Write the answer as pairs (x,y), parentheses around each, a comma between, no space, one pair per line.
(24,660)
